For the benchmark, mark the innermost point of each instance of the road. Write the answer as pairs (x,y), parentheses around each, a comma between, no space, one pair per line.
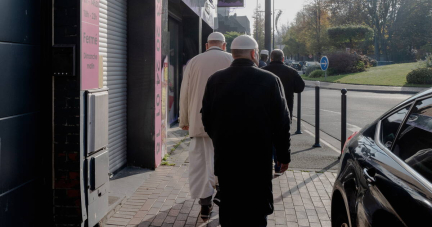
(363,108)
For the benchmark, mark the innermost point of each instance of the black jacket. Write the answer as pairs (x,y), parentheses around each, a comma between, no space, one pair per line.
(245,112)
(290,78)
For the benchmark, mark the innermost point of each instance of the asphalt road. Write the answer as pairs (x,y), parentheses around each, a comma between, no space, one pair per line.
(363,108)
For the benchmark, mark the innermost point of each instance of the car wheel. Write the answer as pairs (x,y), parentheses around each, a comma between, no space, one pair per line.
(339,215)
(341,220)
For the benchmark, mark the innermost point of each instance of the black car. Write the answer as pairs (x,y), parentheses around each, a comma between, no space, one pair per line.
(385,175)
(296,66)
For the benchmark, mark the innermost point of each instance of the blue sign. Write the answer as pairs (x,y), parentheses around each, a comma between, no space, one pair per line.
(324,63)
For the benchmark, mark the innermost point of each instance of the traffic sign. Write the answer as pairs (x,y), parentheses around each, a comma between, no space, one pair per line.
(324,63)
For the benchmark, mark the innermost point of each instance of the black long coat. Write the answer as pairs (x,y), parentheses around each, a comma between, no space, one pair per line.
(245,113)
(290,78)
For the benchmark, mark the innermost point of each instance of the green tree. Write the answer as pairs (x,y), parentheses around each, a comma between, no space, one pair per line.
(229,37)
(349,35)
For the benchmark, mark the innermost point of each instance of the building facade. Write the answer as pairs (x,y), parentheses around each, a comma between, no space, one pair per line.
(87,87)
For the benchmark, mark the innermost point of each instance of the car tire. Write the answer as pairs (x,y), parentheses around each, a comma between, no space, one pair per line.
(341,219)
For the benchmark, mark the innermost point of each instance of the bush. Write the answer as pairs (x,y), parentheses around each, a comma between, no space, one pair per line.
(420,76)
(317,73)
(312,68)
(342,63)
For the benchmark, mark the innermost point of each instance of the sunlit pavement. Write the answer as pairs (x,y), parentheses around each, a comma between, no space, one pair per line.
(302,198)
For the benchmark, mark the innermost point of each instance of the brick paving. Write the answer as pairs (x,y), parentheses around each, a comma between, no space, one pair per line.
(301,198)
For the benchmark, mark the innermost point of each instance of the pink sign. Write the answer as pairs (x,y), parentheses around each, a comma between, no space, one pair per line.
(89,44)
(158,84)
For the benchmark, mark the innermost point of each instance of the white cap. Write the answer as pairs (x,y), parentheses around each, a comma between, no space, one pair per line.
(266,52)
(244,42)
(216,36)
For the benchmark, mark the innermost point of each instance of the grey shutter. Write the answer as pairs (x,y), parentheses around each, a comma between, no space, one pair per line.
(113,49)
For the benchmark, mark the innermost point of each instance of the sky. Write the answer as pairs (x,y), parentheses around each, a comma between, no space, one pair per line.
(289,9)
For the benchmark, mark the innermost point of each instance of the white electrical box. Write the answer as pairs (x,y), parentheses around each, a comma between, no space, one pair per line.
(97,120)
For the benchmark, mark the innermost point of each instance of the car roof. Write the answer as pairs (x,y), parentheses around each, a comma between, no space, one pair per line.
(410,99)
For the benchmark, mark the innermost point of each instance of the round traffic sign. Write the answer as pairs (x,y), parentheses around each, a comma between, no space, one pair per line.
(324,63)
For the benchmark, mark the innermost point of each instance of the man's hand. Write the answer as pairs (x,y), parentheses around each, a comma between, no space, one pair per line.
(185,128)
(283,167)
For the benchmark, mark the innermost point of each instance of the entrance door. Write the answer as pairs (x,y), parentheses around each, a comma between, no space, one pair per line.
(24,113)
(173,75)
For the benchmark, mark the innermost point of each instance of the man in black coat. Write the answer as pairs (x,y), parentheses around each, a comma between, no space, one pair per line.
(245,113)
(291,80)
(292,83)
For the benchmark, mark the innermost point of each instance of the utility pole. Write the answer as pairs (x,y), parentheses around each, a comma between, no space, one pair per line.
(267,42)
(273,25)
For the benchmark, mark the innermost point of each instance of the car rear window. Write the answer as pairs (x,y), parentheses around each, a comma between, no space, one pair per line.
(390,125)
(414,143)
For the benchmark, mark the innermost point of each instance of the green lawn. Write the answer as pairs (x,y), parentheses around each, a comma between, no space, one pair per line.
(390,75)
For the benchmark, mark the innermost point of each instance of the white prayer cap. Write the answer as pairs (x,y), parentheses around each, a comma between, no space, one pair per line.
(265,52)
(244,42)
(216,36)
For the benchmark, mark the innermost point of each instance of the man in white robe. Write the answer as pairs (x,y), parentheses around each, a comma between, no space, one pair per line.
(201,154)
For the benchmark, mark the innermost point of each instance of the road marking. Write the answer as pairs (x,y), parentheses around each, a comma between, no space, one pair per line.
(350,127)
(353,128)
(323,141)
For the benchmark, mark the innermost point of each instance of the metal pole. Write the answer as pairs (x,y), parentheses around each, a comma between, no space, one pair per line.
(273,25)
(343,118)
(267,41)
(299,114)
(317,117)
(200,32)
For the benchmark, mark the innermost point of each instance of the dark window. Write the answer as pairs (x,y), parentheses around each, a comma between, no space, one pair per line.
(414,144)
(390,125)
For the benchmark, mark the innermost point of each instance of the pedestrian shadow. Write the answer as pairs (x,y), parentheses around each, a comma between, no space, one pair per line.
(303,150)
(305,182)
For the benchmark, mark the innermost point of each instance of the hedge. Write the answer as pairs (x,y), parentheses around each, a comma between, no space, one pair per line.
(420,76)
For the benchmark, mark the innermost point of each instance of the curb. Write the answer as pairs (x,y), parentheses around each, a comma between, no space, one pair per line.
(371,88)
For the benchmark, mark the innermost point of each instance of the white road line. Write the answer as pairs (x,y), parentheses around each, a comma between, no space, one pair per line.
(324,142)
(353,128)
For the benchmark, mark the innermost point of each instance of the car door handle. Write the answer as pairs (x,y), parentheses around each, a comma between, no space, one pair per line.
(370,179)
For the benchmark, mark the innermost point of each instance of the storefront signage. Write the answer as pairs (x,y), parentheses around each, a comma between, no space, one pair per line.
(204,9)
(230,3)
(89,44)
(158,83)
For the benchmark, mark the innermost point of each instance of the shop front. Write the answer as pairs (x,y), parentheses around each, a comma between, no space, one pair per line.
(180,31)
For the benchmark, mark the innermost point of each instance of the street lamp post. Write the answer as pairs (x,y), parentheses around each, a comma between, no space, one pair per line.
(267,42)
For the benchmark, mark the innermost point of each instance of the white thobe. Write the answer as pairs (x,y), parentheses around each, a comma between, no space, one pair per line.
(201,151)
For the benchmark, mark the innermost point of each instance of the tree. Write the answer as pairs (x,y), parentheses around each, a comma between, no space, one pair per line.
(347,12)
(411,32)
(350,35)
(229,37)
(258,26)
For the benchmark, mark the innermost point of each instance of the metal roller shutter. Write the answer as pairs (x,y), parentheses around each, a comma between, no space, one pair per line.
(113,49)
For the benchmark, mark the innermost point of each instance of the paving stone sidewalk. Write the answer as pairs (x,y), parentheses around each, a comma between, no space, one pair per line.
(301,198)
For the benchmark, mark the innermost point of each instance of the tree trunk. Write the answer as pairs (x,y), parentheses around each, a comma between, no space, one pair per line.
(377,48)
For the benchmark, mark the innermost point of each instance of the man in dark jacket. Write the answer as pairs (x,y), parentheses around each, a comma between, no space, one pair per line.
(245,113)
(291,80)
(292,83)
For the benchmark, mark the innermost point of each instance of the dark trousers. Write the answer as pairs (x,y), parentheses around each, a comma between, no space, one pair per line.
(251,221)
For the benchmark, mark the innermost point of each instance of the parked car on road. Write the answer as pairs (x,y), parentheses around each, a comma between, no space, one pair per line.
(385,175)
(308,64)
(296,65)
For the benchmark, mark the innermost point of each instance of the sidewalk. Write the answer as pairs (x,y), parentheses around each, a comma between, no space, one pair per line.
(302,198)
(367,88)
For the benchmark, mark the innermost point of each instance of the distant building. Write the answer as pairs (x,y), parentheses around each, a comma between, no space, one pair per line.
(226,23)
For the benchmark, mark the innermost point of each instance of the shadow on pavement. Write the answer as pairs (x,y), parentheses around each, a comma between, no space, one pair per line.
(302,184)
